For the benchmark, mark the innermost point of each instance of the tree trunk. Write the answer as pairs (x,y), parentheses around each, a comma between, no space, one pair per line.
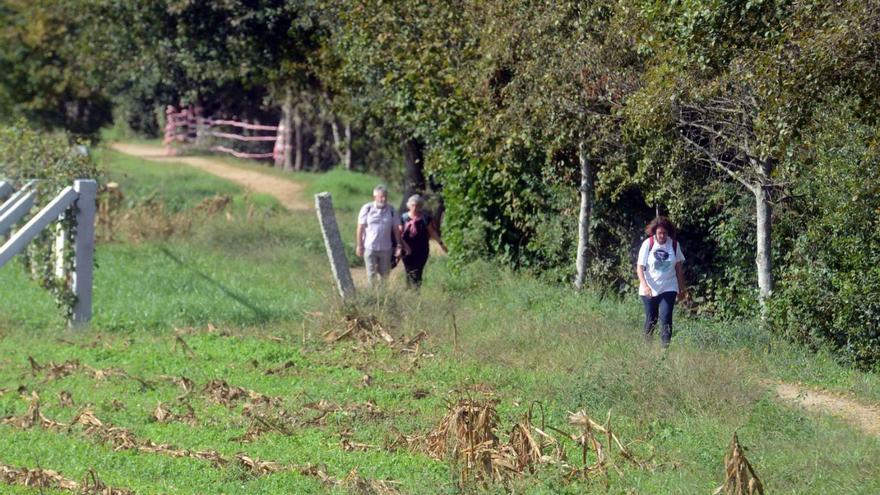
(414,175)
(283,158)
(764,258)
(317,148)
(341,144)
(298,139)
(346,155)
(586,191)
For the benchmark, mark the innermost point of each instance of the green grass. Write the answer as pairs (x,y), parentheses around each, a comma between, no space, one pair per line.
(263,286)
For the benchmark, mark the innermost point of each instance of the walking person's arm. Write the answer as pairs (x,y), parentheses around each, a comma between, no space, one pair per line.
(432,232)
(682,289)
(644,289)
(397,231)
(401,244)
(359,241)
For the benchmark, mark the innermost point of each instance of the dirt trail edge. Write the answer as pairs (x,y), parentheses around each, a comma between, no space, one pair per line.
(861,416)
(288,193)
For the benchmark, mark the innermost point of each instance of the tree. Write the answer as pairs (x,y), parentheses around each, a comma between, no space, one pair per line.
(41,75)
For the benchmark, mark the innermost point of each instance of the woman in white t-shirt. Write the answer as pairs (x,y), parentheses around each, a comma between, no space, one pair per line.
(661,277)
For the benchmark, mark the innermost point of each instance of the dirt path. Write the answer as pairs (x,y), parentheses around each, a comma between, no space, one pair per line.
(861,416)
(288,193)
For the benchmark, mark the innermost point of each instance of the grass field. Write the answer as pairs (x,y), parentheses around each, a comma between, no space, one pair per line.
(243,295)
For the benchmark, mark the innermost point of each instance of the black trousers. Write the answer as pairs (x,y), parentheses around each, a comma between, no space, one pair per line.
(414,270)
(659,308)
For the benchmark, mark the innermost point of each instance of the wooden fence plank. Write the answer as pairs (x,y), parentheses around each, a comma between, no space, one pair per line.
(41,220)
(16,211)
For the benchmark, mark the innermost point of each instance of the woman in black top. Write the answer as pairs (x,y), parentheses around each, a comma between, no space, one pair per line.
(416,230)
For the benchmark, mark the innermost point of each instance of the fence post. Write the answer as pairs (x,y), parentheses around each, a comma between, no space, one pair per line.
(333,243)
(6,190)
(84,250)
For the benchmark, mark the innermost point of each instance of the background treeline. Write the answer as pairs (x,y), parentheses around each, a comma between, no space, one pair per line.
(753,124)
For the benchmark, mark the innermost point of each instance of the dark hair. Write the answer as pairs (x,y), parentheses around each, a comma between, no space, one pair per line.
(660,222)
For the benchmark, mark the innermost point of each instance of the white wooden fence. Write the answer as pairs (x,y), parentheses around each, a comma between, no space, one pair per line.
(78,199)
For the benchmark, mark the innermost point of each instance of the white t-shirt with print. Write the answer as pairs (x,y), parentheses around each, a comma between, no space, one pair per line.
(659,265)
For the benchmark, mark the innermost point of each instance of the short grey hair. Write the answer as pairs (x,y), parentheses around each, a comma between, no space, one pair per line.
(415,199)
(380,189)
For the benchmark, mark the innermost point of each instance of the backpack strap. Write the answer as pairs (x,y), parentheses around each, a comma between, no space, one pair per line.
(674,245)
(370,208)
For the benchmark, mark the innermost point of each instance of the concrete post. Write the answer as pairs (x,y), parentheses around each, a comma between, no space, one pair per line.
(84,247)
(334,245)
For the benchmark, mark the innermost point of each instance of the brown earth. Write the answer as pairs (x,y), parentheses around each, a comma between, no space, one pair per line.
(862,416)
(288,193)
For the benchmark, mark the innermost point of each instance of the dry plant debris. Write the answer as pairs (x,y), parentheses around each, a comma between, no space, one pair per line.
(33,417)
(151,219)
(367,409)
(357,485)
(589,437)
(468,436)
(283,369)
(163,414)
(183,382)
(55,371)
(739,477)
(65,399)
(181,344)
(214,204)
(265,420)
(227,395)
(122,439)
(353,483)
(256,466)
(44,478)
(349,445)
(367,331)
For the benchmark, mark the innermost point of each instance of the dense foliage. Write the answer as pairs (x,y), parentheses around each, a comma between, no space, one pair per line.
(751,123)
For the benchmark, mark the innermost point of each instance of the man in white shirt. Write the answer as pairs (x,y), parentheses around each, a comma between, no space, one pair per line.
(377,225)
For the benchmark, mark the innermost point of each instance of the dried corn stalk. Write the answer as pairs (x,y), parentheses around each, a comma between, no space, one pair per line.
(33,417)
(44,478)
(227,395)
(466,435)
(367,331)
(739,477)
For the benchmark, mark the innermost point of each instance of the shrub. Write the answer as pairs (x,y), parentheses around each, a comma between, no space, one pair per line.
(54,163)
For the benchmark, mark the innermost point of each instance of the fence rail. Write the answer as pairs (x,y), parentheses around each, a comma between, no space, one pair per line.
(78,199)
(188,126)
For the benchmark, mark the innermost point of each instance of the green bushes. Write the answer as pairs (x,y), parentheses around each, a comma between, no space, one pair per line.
(829,291)
(25,155)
